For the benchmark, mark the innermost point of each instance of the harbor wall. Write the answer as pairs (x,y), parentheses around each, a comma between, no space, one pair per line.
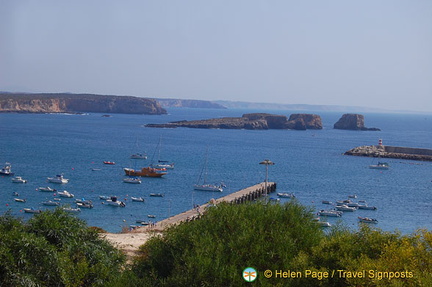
(381,151)
(408,150)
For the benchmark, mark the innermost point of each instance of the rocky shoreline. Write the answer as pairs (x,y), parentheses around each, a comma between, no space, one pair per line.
(381,151)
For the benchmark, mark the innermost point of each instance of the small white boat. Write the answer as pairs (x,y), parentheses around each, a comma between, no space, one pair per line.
(104,197)
(84,204)
(345,208)
(51,203)
(353,204)
(156,194)
(163,164)
(139,156)
(113,201)
(95,169)
(367,207)
(32,210)
(70,209)
(326,202)
(285,195)
(324,224)
(380,165)
(352,196)
(65,193)
(331,213)
(18,179)
(151,216)
(132,180)
(58,179)
(19,200)
(139,199)
(6,170)
(367,220)
(47,189)
(208,187)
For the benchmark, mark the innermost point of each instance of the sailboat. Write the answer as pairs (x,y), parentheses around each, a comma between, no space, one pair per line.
(161,163)
(138,155)
(203,176)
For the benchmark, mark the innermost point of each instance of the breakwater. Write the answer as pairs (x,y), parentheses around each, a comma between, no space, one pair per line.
(396,152)
(248,194)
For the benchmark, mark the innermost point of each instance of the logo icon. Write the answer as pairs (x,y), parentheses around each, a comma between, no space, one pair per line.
(250,274)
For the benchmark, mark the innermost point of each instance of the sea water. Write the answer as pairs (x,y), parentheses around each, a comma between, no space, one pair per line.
(309,163)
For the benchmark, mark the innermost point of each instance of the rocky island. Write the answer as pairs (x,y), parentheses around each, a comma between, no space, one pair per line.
(382,151)
(77,103)
(352,122)
(253,121)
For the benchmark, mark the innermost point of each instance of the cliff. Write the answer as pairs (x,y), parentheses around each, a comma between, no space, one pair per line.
(178,103)
(77,103)
(352,122)
(253,121)
(392,152)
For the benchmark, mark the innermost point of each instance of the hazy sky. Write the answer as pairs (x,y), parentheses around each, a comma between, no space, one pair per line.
(341,52)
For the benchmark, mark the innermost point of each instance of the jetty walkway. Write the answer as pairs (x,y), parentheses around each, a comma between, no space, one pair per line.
(131,241)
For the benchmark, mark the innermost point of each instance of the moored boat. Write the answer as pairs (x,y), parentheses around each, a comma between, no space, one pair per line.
(84,204)
(113,201)
(139,199)
(208,187)
(345,208)
(58,179)
(47,189)
(163,164)
(367,207)
(132,180)
(145,172)
(156,195)
(109,162)
(32,210)
(19,200)
(71,209)
(331,213)
(139,156)
(6,169)
(18,179)
(65,193)
(285,195)
(51,203)
(380,165)
(367,220)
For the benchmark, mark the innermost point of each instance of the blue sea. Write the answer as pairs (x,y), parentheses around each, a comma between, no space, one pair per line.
(309,163)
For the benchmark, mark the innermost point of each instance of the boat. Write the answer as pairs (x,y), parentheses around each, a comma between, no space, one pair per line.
(47,189)
(151,216)
(51,203)
(18,179)
(156,195)
(331,213)
(95,169)
(32,210)
(326,202)
(322,223)
(345,208)
(58,179)
(145,172)
(139,156)
(285,195)
(19,200)
(132,180)
(160,163)
(109,162)
(104,197)
(352,196)
(71,209)
(65,193)
(367,220)
(380,165)
(6,169)
(84,204)
(113,201)
(367,207)
(139,199)
(204,186)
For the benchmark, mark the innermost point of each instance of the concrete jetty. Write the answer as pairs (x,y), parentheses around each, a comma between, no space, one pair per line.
(384,151)
(247,194)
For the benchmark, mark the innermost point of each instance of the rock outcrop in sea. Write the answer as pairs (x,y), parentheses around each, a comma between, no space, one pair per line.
(352,122)
(77,103)
(253,121)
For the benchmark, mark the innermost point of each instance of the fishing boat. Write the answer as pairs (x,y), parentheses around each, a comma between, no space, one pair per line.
(47,189)
(65,193)
(380,165)
(58,179)
(6,169)
(18,179)
(367,220)
(134,180)
(145,172)
(202,180)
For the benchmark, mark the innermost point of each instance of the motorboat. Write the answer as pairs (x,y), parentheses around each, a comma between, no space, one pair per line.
(322,223)
(19,200)
(352,196)
(151,216)
(380,165)
(51,203)
(330,213)
(285,195)
(139,156)
(6,169)
(208,187)
(132,180)
(163,164)
(65,193)
(104,197)
(326,202)
(367,207)
(367,220)
(58,179)
(145,172)
(109,162)
(113,201)
(345,208)
(18,179)
(71,209)
(84,204)
(47,189)
(32,210)
(352,204)
(139,199)
(156,195)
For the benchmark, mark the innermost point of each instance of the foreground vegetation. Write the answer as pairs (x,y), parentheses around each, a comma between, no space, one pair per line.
(56,249)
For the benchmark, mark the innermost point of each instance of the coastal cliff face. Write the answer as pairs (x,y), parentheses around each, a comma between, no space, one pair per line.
(253,121)
(78,103)
(352,122)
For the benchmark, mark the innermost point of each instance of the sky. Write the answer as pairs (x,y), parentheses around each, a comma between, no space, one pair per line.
(326,52)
